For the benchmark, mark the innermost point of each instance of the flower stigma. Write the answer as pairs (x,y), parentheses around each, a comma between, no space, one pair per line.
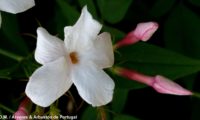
(74,57)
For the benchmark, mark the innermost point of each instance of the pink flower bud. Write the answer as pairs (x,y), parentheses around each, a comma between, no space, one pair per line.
(159,83)
(143,31)
(22,112)
(166,86)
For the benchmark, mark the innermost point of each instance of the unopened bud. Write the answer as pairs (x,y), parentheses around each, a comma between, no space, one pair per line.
(22,112)
(158,82)
(166,86)
(143,31)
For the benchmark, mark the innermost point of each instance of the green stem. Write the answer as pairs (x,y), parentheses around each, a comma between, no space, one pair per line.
(196,95)
(56,103)
(7,109)
(110,111)
(11,55)
(30,35)
(79,107)
(39,110)
(54,110)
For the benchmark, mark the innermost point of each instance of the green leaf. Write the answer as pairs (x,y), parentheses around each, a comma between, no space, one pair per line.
(124,117)
(113,11)
(22,69)
(29,67)
(195,109)
(115,33)
(95,113)
(5,73)
(91,6)
(7,67)
(3,107)
(61,22)
(65,15)
(195,2)
(10,35)
(68,11)
(153,60)
(181,31)
(90,113)
(161,7)
(119,100)
(189,81)
(10,55)
(26,68)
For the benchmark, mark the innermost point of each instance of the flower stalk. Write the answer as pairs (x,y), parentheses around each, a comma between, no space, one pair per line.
(11,55)
(158,82)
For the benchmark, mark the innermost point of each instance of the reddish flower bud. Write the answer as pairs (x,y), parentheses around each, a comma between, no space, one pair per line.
(22,112)
(166,86)
(159,83)
(143,31)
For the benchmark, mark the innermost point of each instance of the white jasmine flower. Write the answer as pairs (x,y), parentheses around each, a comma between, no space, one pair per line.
(79,59)
(15,6)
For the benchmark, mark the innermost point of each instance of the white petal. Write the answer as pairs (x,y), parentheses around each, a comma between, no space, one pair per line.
(49,82)
(101,53)
(48,48)
(16,6)
(83,32)
(93,84)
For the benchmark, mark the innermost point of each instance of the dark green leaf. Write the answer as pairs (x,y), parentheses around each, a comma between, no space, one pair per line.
(195,109)
(10,55)
(161,7)
(195,2)
(152,60)
(182,31)
(113,11)
(61,22)
(189,81)
(7,67)
(124,83)
(29,67)
(124,117)
(90,113)
(90,5)
(119,100)
(10,36)
(5,73)
(115,33)
(65,15)
(68,11)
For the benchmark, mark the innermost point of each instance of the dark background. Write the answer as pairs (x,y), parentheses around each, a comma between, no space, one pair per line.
(179,28)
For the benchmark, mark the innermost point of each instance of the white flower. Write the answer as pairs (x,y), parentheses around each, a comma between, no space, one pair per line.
(15,6)
(79,59)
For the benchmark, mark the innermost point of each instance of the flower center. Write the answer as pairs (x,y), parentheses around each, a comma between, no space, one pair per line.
(74,57)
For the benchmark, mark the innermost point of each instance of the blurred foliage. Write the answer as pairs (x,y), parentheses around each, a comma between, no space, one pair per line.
(173,51)
(113,11)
